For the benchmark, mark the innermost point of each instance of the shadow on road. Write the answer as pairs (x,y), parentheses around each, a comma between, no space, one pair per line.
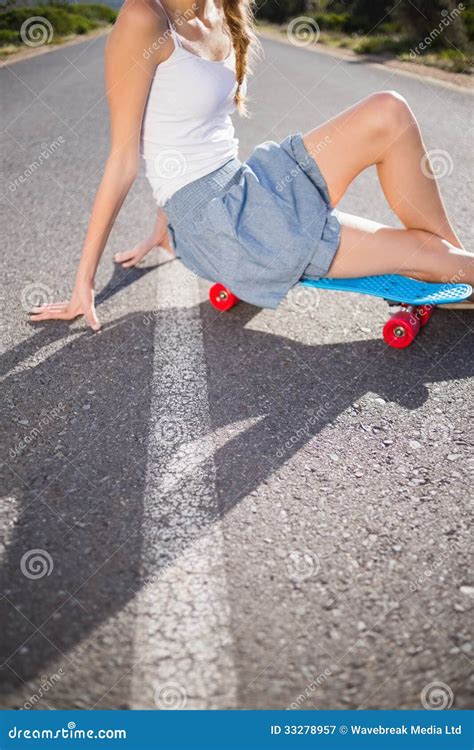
(76,460)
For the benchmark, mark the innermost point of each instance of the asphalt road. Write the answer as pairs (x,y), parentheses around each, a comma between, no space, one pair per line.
(252,510)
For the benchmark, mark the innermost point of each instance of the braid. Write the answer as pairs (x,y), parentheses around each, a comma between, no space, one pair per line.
(239,19)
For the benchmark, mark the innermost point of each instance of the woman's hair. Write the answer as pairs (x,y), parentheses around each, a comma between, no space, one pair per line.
(239,18)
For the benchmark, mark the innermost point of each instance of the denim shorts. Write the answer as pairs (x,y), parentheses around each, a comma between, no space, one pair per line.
(257,226)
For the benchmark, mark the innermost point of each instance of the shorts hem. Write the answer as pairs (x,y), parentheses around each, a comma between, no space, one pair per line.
(308,164)
(327,247)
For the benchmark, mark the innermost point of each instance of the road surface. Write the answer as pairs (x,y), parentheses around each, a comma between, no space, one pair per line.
(253,510)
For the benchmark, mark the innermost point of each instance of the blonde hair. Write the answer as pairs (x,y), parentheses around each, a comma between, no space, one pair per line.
(240,22)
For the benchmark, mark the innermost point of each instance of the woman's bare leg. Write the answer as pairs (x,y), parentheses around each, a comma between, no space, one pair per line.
(369,249)
(382,130)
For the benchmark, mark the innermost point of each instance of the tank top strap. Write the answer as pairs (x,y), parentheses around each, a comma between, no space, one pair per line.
(171,26)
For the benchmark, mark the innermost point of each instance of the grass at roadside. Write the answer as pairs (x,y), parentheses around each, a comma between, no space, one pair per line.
(390,44)
(36,26)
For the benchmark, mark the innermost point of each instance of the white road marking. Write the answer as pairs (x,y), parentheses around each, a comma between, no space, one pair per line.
(182,650)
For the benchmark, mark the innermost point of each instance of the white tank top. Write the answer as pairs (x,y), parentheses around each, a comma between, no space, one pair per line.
(187,129)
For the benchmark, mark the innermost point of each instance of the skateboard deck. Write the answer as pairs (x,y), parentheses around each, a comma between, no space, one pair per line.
(396,289)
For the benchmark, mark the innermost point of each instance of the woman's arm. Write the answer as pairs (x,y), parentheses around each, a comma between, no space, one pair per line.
(128,77)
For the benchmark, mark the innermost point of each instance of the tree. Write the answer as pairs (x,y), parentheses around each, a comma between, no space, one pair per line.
(439,20)
(281,10)
(370,13)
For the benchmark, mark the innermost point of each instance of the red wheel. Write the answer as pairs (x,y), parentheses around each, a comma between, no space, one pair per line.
(401,330)
(424,314)
(221,298)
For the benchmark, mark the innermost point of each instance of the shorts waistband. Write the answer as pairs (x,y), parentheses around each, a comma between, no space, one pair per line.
(193,196)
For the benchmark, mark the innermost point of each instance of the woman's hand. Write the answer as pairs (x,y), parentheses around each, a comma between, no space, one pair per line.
(130,258)
(81,303)
(158,238)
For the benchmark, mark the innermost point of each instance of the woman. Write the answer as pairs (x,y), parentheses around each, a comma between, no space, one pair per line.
(175,73)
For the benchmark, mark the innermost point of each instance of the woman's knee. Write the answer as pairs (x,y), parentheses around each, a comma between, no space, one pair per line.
(389,114)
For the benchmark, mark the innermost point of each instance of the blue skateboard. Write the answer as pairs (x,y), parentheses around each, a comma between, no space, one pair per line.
(416,300)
